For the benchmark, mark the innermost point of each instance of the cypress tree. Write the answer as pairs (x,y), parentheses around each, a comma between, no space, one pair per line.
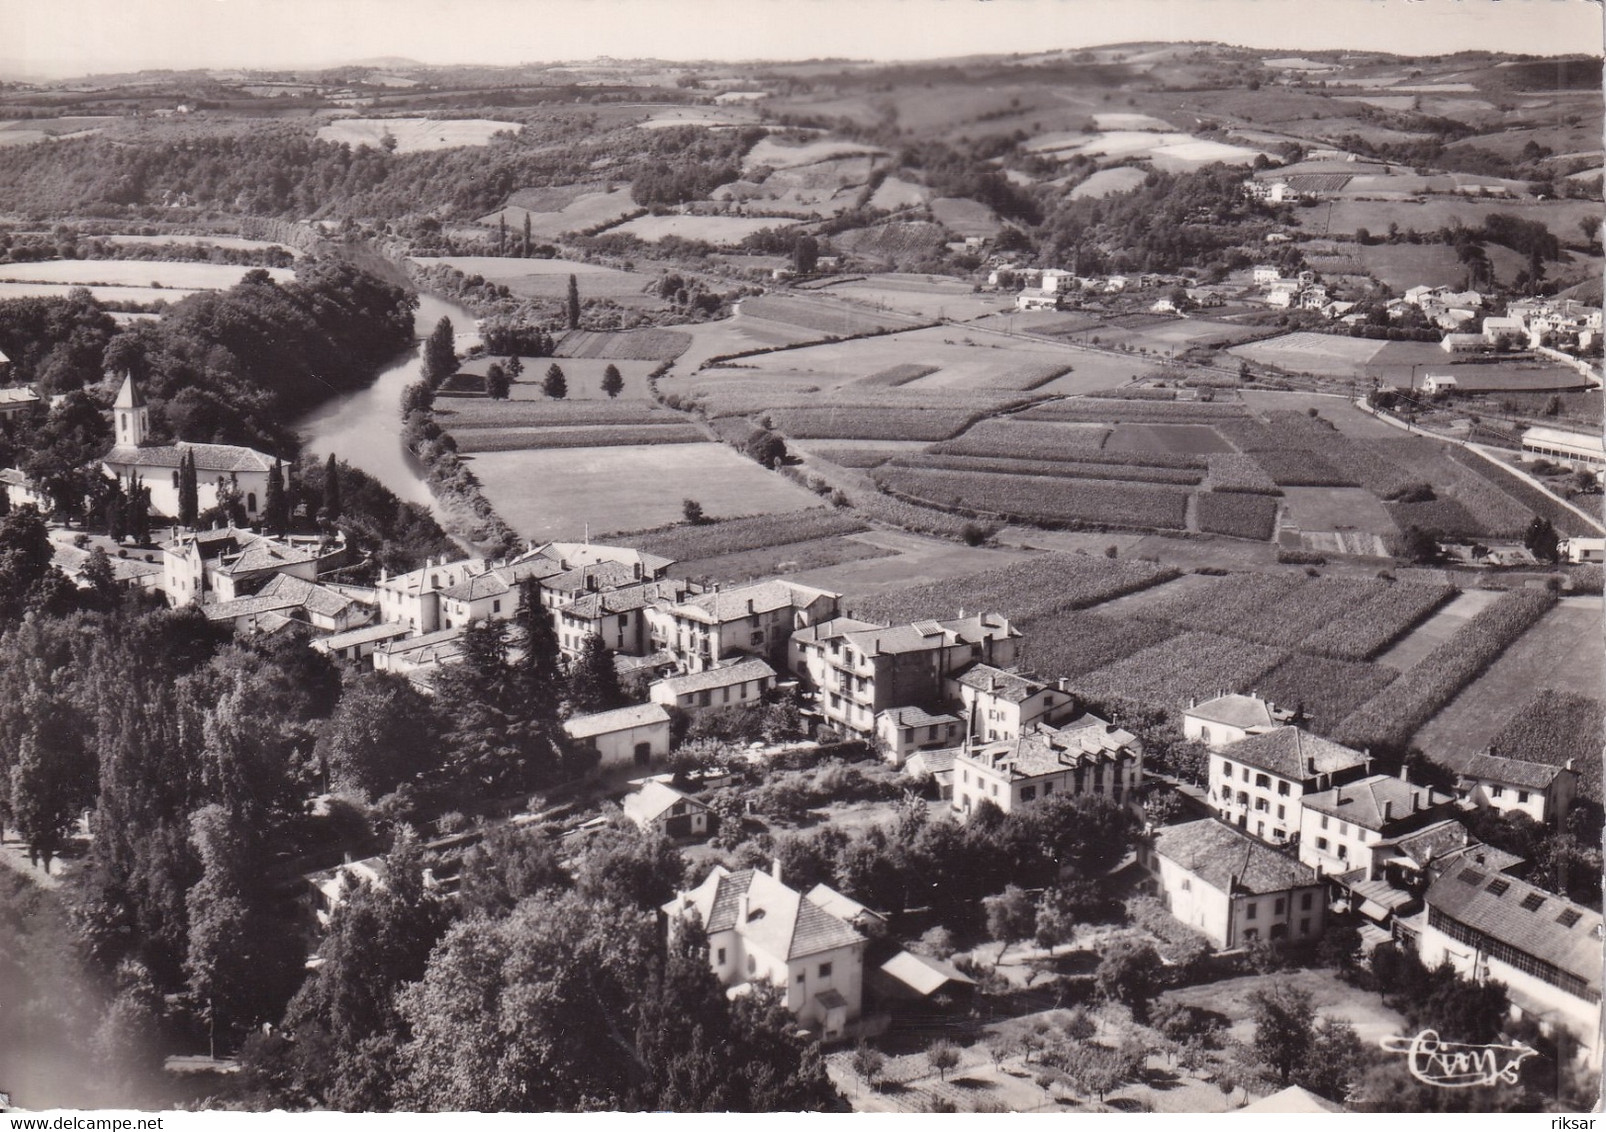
(189,494)
(574,303)
(275,511)
(593,680)
(541,669)
(612,382)
(440,353)
(526,235)
(330,510)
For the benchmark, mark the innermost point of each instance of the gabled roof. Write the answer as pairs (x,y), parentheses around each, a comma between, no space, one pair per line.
(933,763)
(626,599)
(619,719)
(779,920)
(841,906)
(1363,803)
(264,554)
(835,627)
(922,636)
(1529,919)
(725,676)
(914,717)
(1430,843)
(723,606)
(477,588)
(574,554)
(1293,1099)
(655,799)
(923,974)
(1042,749)
(597,576)
(1222,857)
(209,458)
(1010,687)
(1293,754)
(129,396)
(19,395)
(384,631)
(1235,711)
(1510,772)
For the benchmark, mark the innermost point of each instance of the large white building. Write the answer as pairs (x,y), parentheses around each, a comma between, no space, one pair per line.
(1084,756)
(156,466)
(1259,783)
(759,930)
(1340,828)
(1229,718)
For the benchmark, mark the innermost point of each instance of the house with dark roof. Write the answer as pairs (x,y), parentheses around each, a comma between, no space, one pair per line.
(1086,755)
(359,643)
(756,620)
(1002,704)
(759,930)
(294,598)
(1258,783)
(1342,830)
(20,490)
(1229,718)
(902,731)
(739,682)
(859,670)
(1516,786)
(218,467)
(1545,949)
(1232,887)
(618,616)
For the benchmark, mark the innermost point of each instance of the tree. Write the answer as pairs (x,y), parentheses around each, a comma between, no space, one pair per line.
(1130,972)
(514,366)
(189,501)
(612,382)
(642,868)
(331,508)
(540,673)
(383,733)
(101,578)
(510,864)
(1335,1061)
(767,448)
(1542,540)
(45,791)
(524,249)
(1010,916)
(276,507)
(593,679)
(1339,947)
(572,304)
(942,1055)
(1590,227)
(496,382)
(805,255)
(556,386)
(692,511)
(868,1063)
(1284,1027)
(417,398)
(440,353)
(1056,921)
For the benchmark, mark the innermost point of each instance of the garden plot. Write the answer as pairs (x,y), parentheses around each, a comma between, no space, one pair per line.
(926,297)
(1107,182)
(1185,439)
(414,135)
(653,344)
(1040,499)
(914,561)
(158,275)
(779,155)
(564,493)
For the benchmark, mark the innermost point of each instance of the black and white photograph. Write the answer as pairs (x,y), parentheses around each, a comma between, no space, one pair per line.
(797,556)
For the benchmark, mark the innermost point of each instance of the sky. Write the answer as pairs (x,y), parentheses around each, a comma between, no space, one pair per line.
(55,38)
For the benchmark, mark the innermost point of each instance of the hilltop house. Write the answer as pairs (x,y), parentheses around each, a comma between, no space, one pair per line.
(754,620)
(1543,792)
(1229,718)
(1085,756)
(759,930)
(861,669)
(1261,782)
(218,467)
(1233,888)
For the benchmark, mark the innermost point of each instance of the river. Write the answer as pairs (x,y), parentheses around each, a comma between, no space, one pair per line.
(364,428)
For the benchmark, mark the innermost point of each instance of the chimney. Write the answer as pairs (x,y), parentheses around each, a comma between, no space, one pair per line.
(1310,766)
(1416,801)
(741,910)
(1568,765)
(1388,808)
(775,869)
(749,607)
(1403,776)
(638,571)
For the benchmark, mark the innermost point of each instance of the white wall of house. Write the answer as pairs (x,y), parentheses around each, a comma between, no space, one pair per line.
(1256,801)
(619,748)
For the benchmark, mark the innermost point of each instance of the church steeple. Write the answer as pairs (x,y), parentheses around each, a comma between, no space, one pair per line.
(132,417)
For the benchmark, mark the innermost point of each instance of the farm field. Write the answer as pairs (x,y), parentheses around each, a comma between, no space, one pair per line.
(1402,266)
(467,413)
(1560,216)
(1173,334)
(26,131)
(926,297)
(1325,355)
(733,335)
(1562,652)
(105,295)
(1336,509)
(1485,376)
(721,231)
(549,278)
(136,273)
(579,212)
(414,135)
(563,493)
(912,560)
(1195,440)
(780,155)
(582,375)
(653,345)
(1437,629)
(1107,181)
(237,242)
(784,560)
(479,440)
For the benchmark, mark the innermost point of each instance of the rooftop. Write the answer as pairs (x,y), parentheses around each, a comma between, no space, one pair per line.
(916,717)
(653,800)
(1529,919)
(384,631)
(1376,802)
(209,458)
(619,719)
(1293,754)
(1011,687)
(1228,860)
(1511,772)
(1236,711)
(779,920)
(920,636)
(1048,750)
(477,588)
(721,606)
(590,606)
(748,668)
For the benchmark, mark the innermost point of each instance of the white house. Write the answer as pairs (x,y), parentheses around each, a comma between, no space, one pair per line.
(1515,786)
(905,730)
(658,806)
(627,736)
(1229,718)
(739,682)
(755,620)
(1003,704)
(1543,948)
(1085,756)
(759,930)
(1340,828)
(1435,383)
(359,644)
(1234,889)
(1583,549)
(1260,782)
(1579,449)
(1266,274)
(1496,328)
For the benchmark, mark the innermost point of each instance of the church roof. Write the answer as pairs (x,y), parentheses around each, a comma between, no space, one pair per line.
(208,457)
(129,396)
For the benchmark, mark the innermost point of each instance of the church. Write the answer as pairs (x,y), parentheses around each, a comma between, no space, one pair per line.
(157,465)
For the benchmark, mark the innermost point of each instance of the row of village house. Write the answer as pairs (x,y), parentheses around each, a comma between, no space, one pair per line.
(941,697)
